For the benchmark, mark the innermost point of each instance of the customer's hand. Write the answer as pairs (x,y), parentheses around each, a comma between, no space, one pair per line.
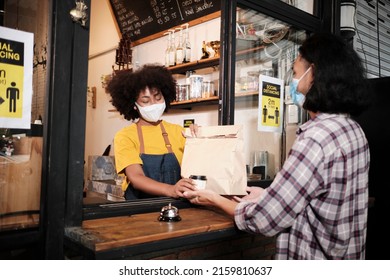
(254,194)
(201,197)
(211,198)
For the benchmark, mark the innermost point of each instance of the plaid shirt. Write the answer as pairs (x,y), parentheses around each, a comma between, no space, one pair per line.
(318,202)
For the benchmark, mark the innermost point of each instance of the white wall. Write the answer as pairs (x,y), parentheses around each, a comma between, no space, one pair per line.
(101,124)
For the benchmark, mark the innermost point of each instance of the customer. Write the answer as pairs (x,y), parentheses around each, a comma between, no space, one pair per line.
(149,151)
(318,201)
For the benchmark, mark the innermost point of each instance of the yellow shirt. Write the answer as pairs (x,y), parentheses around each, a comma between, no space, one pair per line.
(127,146)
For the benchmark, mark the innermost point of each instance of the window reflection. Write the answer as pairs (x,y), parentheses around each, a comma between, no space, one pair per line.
(21,157)
(304,5)
(265,47)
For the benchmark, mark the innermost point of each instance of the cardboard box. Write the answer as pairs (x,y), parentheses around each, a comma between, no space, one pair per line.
(20,184)
(101,168)
(105,187)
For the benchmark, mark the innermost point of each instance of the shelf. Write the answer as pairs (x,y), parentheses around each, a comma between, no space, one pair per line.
(249,51)
(209,62)
(187,104)
(246,93)
(246,96)
(194,65)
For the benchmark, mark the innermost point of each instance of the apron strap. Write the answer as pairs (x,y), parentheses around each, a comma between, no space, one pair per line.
(141,140)
(164,134)
(166,139)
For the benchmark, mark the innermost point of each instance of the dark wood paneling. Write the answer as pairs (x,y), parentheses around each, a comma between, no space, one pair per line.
(64,134)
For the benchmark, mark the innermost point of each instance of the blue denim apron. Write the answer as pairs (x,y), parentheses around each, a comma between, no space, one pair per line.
(163,168)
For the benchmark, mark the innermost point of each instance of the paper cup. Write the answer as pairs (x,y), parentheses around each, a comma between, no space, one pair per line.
(200,181)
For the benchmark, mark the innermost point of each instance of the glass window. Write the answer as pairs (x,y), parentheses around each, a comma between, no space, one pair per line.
(21,149)
(265,51)
(304,5)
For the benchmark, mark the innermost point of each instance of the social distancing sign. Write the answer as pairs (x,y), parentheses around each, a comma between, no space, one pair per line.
(16,58)
(270,113)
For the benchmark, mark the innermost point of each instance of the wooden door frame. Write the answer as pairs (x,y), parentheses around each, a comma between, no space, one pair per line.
(64,133)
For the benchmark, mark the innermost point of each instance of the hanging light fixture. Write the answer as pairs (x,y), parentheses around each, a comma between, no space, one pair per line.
(347,18)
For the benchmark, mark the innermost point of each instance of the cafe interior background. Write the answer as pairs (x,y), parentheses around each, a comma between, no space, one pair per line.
(102,41)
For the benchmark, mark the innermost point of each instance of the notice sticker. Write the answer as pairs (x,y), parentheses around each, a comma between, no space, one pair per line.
(270,112)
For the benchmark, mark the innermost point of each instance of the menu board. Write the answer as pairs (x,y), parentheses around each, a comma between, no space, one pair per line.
(138,19)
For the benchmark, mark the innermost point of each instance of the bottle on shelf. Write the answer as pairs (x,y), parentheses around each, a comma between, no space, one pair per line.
(187,44)
(205,53)
(180,48)
(168,48)
(172,49)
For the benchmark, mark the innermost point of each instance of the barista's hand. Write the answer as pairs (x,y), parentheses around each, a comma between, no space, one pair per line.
(194,130)
(253,195)
(182,186)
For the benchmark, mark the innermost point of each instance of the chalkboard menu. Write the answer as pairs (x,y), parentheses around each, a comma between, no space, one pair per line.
(141,18)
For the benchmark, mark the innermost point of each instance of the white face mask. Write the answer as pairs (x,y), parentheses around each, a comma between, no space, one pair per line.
(151,113)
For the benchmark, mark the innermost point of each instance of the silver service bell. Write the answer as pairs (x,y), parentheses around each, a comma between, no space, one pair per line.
(169,213)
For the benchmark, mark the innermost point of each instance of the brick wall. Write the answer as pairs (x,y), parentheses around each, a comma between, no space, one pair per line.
(40,55)
(39,90)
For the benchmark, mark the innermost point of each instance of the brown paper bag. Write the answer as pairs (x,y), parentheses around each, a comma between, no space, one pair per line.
(218,153)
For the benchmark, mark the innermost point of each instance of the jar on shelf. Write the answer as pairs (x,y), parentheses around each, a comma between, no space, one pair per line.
(182,92)
(267,72)
(196,82)
(253,81)
(244,83)
(207,89)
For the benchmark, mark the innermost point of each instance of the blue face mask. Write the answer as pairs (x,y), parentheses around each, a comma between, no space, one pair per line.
(297,97)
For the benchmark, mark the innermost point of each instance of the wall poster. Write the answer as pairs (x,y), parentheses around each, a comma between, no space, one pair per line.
(16,73)
(271,96)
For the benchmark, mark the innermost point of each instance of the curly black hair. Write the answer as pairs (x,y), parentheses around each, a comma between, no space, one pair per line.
(340,84)
(126,85)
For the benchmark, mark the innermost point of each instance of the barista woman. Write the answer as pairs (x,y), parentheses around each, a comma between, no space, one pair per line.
(148,151)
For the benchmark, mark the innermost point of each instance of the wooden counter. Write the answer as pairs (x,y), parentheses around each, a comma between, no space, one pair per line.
(118,237)
(131,230)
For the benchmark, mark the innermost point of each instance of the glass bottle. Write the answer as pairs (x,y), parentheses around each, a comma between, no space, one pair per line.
(179,48)
(168,48)
(187,44)
(172,49)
